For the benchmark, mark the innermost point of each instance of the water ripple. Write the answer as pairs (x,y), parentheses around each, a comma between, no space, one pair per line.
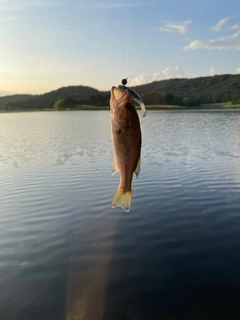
(180,237)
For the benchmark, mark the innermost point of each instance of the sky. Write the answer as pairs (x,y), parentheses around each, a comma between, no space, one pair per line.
(48,44)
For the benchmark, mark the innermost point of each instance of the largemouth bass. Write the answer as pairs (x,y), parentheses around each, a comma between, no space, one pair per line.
(126,141)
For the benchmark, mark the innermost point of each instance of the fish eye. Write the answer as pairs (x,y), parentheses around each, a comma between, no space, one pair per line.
(128,105)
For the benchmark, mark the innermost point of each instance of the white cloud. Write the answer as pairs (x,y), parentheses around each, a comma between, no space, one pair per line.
(229,42)
(235,27)
(141,79)
(167,73)
(156,76)
(238,70)
(212,71)
(181,27)
(221,24)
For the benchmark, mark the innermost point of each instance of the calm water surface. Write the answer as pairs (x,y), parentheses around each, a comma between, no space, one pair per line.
(65,254)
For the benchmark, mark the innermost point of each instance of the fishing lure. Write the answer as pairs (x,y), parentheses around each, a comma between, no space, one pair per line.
(136,97)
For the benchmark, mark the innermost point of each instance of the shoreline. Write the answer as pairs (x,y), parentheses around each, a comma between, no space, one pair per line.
(149,108)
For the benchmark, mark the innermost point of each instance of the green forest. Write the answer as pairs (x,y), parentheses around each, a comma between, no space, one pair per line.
(182,92)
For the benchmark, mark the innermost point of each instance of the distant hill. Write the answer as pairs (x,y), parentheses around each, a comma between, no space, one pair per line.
(47,100)
(219,88)
(188,92)
(13,98)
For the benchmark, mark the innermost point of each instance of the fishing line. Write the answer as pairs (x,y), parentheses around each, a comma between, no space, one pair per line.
(124,81)
(135,96)
(127,42)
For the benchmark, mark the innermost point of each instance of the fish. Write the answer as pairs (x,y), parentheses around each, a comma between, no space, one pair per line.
(126,141)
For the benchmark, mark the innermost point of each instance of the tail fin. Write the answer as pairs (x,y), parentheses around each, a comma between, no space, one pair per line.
(122,199)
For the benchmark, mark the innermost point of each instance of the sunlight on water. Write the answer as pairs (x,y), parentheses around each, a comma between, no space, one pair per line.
(64,252)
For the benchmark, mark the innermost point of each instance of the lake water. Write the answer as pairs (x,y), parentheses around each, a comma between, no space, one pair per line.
(65,254)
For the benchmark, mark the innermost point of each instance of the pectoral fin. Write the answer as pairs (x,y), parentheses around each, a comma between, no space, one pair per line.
(137,170)
(114,166)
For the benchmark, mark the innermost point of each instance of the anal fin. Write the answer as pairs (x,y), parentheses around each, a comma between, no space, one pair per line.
(138,167)
(114,166)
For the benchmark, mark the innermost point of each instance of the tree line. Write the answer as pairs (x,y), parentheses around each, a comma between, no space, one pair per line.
(193,92)
(185,92)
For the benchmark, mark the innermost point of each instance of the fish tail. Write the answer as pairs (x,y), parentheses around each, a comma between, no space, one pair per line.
(122,198)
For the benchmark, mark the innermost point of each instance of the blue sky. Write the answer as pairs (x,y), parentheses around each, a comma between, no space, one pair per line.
(47,44)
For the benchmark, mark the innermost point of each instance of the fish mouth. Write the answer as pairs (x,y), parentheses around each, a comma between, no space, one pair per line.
(117,94)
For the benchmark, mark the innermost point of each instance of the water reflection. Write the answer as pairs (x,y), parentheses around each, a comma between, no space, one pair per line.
(64,252)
